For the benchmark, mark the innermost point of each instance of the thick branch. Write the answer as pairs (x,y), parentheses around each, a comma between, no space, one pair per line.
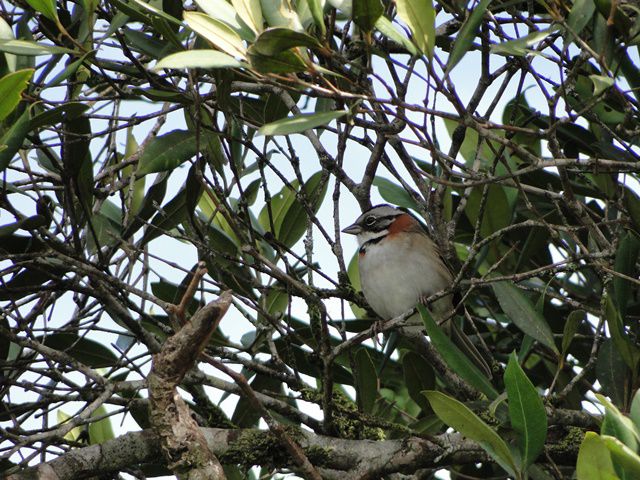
(356,458)
(183,444)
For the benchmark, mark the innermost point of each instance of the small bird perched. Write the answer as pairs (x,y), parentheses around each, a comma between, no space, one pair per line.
(400,266)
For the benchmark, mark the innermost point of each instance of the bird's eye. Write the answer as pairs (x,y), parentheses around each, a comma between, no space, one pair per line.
(370,221)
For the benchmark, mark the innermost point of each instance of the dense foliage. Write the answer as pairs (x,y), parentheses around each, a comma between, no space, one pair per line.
(140,138)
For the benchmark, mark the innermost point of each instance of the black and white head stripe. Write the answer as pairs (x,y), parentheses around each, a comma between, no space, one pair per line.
(373,225)
(379,217)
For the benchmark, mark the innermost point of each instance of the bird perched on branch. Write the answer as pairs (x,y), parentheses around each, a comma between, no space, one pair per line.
(401,266)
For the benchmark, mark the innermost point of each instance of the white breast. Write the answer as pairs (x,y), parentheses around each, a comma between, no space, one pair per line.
(396,273)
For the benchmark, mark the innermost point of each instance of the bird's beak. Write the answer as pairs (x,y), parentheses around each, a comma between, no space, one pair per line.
(354,229)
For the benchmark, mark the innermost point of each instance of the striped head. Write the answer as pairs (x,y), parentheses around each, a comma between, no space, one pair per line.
(380,222)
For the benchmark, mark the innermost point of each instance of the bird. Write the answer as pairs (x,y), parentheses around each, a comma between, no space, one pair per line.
(401,266)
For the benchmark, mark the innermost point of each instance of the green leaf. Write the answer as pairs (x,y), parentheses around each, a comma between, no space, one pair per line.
(580,15)
(526,412)
(522,313)
(571,326)
(12,139)
(67,111)
(387,28)
(612,372)
(275,40)
(394,193)
(250,12)
(100,430)
(283,62)
(628,351)
(619,425)
(295,220)
(167,152)
(601,83)
(46,8)
(420,16)
(84,350)
(73,434)
(634,411)
(632,204)
(300,123)
(625,264)
(171,215)
(315,7)
(11,87)
(198,59)
(496,217)
(6,33)
(521,46)
(623,456)
(278,13)
(217,32)
(594,460)
(366,13)
(467,34)
(460,418)
(366,381)
(455,359)
(223,11)
(24,47)
(418,376)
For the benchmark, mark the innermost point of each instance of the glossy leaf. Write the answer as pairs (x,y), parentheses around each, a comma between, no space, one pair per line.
(278,13)
(365,13)
(455,359)
(580,15)
(624,457)
(366,381)
(418,376)
(460,418)
(634,411)
(67,111)
(625,264)
(167,152)
(100,430)
(467,34)
(283,62)
(526,412)
(45,7)
(250,12)
(571,326)
(216,32)
(384,26)
(394,193)
(315,7)
(295,219)
(619,425)
(198,59)
(300,123)
(628,351)
(275,40)
(6,33)
(612,372)
(171,215)
(12,139)
(73,434)
(11,87)
(521,312)
(223,11)
(24,47)
(594,460)
(522,46)
(420,16)
(84,350)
